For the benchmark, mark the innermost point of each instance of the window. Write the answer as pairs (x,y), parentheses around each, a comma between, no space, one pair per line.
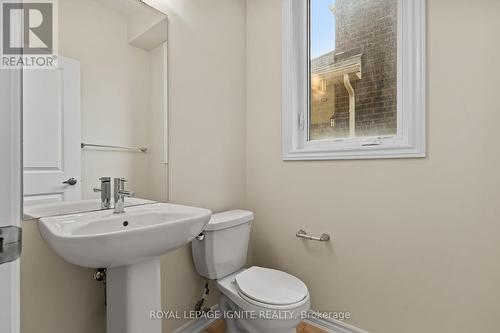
(353,79)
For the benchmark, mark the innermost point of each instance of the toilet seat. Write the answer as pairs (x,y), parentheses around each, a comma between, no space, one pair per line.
(270,288)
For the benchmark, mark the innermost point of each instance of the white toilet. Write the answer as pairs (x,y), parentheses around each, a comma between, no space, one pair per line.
(254,300)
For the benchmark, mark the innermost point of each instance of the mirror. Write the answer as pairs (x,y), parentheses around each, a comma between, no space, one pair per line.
(101,113)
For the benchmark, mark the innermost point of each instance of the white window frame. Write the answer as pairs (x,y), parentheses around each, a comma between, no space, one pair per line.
(409,142)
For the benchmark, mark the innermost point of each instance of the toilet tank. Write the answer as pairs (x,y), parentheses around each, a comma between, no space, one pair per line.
(223,249)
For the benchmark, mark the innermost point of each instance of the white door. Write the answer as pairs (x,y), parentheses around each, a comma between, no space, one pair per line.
(51,131)
(10,196)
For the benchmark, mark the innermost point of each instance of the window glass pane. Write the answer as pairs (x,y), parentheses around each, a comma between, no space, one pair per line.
(353,52)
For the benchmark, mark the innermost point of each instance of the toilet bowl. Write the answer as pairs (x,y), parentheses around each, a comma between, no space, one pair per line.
(255,299)
(261,300)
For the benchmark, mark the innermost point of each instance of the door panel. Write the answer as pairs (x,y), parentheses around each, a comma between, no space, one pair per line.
(43,199)
(52,133)
(43,121)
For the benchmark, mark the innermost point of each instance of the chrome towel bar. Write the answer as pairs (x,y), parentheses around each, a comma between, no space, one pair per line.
(138,149)
(303,234)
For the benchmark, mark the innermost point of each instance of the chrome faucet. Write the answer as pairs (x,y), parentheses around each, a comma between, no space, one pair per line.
(105,192)
(120,194)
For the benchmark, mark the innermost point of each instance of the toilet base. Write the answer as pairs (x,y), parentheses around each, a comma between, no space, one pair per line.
(252,325)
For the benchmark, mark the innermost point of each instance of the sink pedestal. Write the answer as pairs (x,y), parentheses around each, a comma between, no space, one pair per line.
(129,245)
(132,292)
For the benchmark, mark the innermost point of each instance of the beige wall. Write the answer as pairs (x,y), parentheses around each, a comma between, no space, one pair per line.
(207,125)
(57,297)
(416,242)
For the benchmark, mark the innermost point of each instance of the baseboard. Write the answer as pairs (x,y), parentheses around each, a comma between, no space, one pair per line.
(328,325)
(197,325)
(332,325)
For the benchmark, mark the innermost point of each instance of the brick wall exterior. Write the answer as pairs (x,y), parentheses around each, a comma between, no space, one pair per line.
(368,27)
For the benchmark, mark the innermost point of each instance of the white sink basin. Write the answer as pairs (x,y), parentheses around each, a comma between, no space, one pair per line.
(129,245)
(101,239)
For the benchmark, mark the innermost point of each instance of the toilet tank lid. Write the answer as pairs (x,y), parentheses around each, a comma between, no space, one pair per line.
(229,219)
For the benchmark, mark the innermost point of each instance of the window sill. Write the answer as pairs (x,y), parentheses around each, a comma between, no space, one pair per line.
(356,149)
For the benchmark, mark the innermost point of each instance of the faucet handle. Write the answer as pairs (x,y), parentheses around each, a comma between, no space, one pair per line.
(105,191)
(127,193)
(119,185)
(103,181)
(122,183)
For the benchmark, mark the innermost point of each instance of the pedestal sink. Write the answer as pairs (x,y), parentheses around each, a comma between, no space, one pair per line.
(129,246)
